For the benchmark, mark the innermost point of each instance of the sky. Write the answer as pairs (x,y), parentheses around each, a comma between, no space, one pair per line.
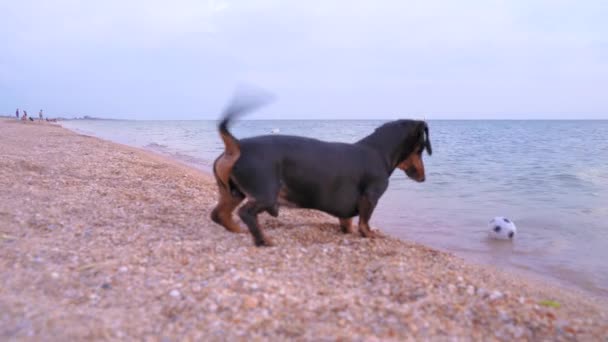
(327,59)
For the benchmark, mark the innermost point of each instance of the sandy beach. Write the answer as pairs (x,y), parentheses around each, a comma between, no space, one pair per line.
(104,241)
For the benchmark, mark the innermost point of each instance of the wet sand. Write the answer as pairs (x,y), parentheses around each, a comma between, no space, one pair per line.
(104,241)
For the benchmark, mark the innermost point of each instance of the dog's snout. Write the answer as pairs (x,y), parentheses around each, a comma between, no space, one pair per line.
(511,235)
(415,174)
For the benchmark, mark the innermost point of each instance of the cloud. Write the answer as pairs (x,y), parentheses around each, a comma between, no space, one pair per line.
(71,22)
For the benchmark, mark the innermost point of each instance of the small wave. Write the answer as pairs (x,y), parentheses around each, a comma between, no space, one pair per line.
(77,130)
(567,177)
(597,176)
(154,145)
(200,163)
(570,180)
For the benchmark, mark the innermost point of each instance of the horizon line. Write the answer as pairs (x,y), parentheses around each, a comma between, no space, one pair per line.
(413,117)
(346,119)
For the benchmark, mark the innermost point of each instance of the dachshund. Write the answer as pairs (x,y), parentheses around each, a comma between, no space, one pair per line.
(341,179)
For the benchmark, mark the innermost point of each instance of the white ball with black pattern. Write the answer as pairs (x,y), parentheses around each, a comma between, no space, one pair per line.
(501,228)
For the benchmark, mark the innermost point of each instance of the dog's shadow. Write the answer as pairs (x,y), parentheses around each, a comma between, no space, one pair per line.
(308,230)
(271,223)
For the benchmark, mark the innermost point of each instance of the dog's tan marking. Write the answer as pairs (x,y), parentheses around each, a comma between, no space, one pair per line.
(222,168)
(222,213)
(346,225)
(232,152)
(414,160)
(282,199)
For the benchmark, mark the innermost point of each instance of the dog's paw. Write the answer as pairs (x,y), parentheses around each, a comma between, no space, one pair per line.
(377,232)
(368,234)
(371,233)
(347,230)
(239,229)
(266,242)
(234,228)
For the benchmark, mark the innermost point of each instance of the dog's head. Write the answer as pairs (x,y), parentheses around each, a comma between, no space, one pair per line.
(416,141)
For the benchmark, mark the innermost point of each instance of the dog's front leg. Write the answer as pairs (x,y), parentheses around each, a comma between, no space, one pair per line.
(367,204)
(366,208)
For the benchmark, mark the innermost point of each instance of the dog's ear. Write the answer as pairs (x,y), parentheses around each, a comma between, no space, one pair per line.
(424,132)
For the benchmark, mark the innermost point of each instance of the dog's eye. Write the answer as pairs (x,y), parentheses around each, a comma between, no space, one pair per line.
(497,229)
(506,220)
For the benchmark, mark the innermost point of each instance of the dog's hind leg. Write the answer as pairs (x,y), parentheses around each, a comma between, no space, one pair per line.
(222,213)
(249,214)
(262,189)
(229,196)
(346,225)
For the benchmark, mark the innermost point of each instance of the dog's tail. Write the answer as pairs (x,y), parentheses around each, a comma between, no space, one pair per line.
(243,103)
(231,144)
(240,105)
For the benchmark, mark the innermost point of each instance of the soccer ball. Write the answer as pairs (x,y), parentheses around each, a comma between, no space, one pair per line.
(502,228)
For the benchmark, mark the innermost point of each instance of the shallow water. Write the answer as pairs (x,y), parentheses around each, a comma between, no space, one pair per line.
(549,177)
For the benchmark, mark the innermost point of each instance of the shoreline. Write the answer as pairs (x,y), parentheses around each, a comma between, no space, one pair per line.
(567,279)
(101,239)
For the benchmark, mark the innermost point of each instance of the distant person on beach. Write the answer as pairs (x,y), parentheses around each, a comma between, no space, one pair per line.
(40,115)
(24,117)
(17,113)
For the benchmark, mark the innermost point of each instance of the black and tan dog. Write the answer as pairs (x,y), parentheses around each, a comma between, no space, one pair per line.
(344,180)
